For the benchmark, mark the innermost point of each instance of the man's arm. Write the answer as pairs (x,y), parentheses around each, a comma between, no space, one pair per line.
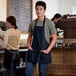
(51,44)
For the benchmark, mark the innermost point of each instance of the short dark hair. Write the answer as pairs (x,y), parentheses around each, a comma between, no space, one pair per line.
(12,21)
(41,3)
(57,15)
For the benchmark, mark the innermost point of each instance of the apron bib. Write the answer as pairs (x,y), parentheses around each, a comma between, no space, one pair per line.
(39,43)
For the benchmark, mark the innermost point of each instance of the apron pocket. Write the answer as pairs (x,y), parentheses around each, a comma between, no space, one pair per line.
(45,58)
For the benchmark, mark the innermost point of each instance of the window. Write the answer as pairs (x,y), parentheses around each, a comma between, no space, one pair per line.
(74,10)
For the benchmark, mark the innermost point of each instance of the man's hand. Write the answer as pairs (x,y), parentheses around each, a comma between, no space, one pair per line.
(30,48)
(45,51)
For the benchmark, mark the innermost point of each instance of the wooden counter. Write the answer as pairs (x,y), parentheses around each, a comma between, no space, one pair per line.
(63,61)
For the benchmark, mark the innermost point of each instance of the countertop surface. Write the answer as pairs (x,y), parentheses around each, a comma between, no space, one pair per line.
(67,48)
(20,50)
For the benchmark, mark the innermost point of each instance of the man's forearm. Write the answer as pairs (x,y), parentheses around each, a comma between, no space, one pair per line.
(52,43)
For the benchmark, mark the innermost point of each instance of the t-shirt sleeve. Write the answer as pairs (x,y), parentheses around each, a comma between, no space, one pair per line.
(52,28)
(31,27)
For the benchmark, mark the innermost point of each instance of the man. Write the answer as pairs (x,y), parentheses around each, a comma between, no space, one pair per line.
(39,42)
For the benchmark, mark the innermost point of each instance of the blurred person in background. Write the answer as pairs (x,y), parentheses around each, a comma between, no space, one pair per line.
(56,18)
(11,45)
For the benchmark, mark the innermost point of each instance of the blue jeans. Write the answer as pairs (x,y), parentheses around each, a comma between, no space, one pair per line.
(30,67)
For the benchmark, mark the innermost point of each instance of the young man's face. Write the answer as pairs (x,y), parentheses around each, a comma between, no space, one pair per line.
(40,11)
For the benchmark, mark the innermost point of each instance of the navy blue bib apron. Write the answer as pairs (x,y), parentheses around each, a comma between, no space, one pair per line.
(39,43)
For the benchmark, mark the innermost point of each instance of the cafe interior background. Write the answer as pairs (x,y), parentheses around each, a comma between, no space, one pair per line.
(64,60)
